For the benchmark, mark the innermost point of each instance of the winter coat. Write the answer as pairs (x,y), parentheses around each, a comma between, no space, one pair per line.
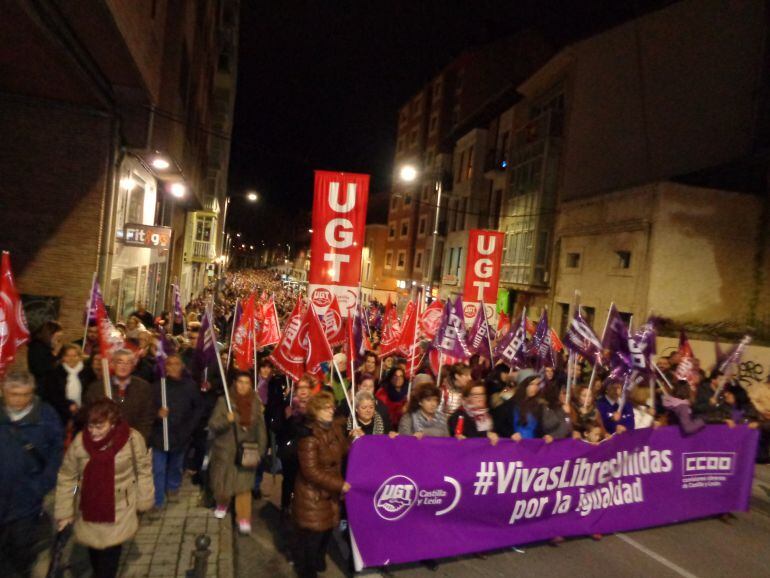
(185,406)
(608,408)
(54,390)
(40,360)
(226,478)
(469,424)
(134,492)
(319,481)
(395,408)
(26,476)
(416,422)
(508,421)
(555,423)
(137,408)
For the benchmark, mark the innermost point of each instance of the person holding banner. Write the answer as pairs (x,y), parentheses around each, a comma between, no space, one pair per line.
(614,418)
(183,409)
(319,485)
(133,394)
(473,419)
(586,422)
(555,422)
(232,430)
(422,417)
(519,418)
(369,421)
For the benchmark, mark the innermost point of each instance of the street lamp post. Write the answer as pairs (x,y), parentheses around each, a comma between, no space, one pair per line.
(409,173)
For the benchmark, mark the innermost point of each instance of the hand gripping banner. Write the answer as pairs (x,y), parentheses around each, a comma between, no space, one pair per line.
(339,221)
(416,499)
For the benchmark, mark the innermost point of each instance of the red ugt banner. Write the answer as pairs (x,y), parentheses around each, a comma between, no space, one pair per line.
(482,272)
(339,221)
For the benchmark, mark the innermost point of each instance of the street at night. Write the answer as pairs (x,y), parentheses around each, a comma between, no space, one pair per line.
(398,288)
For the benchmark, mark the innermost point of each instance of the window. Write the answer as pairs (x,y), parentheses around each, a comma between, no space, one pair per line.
(425,190)
(418,260)
(203,227)
(449,261)
(429,156)
(626,317)
(407,200)
(502,151)
(413,137)
(135,208)
(433,123)
(460,167)
(389,259)
(623,260)
(459,260)
(573,260)
(563,317)
(393,203)
(469,166)
(401,262)
(391,231)
(404,228)
(589,314)
(422,225)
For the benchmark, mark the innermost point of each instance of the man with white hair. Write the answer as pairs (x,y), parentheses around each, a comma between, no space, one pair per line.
(31,440)
(132,393)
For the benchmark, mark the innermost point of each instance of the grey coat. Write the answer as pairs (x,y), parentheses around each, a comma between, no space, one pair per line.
(226,478)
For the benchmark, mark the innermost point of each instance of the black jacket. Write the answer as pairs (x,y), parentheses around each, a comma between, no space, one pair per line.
(185,405)
(40,360)
(469,424)
(54,390)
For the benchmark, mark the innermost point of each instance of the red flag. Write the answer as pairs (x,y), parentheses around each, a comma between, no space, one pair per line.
(13,322)
(332,323)
(503,323)
(312,344)
(391,331)
(408,329)
(433,357)
(283,355)
(686,369)
(556,343)
(430,320)
(110,339)
(243,337)
(269,330)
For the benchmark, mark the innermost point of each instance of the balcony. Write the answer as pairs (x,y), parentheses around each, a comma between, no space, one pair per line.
(495,162)
(202,252)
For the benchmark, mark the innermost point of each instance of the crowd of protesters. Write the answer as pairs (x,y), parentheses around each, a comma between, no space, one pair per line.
(63,429)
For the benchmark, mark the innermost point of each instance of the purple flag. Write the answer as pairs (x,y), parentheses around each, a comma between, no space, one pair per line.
(512,347)
(359,336)
(206,348)
(178,311)
(481,334)
(478,497)
(450,337)
(735,354)
(94,301)
(165,348)
(541,348)
(582,339)
(633,363)
(616,336)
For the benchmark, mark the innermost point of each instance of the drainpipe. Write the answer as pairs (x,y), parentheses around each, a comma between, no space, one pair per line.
(106,243)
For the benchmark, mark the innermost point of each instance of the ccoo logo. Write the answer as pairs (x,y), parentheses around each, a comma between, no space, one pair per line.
(395,498)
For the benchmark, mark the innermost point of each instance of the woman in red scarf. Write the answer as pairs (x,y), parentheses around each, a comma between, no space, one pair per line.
(472,419)
(108,463)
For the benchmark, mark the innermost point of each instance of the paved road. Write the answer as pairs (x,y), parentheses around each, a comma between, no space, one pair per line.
(703,549)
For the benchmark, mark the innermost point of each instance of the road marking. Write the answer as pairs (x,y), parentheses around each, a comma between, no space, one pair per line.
(655,556)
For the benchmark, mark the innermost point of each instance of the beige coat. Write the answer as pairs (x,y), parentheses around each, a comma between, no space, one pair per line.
(133,492)
(225,477)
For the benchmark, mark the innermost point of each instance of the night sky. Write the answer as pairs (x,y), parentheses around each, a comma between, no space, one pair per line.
(320,84)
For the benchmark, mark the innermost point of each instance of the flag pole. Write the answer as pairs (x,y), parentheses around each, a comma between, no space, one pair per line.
(222,373)
(164,403)
(232,333)
(256,357)
(489,337)
(106,377)
(88,311)
(604,333)
(347,397)
(414,349)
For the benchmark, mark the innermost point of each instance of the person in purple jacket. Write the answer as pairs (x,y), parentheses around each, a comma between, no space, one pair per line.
(679,407)
(615,418)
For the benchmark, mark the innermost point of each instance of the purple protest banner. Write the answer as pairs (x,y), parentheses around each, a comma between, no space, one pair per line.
(415,499)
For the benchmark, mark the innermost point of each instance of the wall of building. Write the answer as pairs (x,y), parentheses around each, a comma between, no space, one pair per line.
(51,200)
(680,99)
(702,254)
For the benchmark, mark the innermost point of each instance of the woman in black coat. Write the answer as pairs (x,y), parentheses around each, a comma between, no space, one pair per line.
(64,387)
(43,351)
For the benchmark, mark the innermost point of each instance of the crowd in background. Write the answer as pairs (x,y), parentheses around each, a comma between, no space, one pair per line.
(62,428)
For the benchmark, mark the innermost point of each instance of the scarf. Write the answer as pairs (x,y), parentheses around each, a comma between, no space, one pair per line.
(422,422)
(378,428)
(243,403)
(480,416)
(73,390)
(97,501)
(394,394)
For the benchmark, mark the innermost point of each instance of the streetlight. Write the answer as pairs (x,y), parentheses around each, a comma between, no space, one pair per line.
(178,190)
(408,174)
(252,196)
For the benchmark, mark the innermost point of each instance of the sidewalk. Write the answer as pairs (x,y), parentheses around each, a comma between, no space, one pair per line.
(164,544)
(760,489)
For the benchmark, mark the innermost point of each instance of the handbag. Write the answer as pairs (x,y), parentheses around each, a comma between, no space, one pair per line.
(247,454)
